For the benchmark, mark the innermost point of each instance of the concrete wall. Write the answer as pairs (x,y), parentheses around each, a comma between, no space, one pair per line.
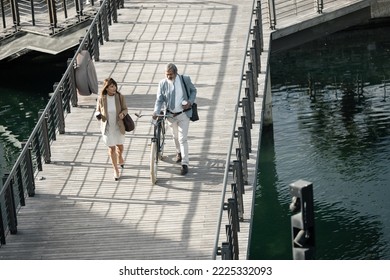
(380,8)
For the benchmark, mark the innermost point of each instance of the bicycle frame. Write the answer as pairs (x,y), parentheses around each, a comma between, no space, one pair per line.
(157,145)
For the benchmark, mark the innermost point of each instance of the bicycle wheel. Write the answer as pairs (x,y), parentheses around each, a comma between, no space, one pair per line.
(161,139)
(153,162)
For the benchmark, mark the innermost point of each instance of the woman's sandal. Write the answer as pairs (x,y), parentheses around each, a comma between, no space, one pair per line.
(116,175)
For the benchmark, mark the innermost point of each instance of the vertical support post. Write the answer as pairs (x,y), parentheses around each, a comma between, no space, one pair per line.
(320,6)
(100,29)
(251,102)
(302,222)
(272,14)
(10,206)
(247,111)
(244,162)
(239,182)
(247,132)
(52,14)
(15,14)
(2,231)
(38,155)
(242,141)
(65,8)
(79,8)
(60,109)
(234,226)
(253,58)
(32,12)
(45,135)
(20,185)
(95,43)
(259,23)
(114,11)
(30,171)
(253,80)
(234,220)
(3,17)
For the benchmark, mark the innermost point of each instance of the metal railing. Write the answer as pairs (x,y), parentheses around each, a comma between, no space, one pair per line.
(233,209)
(43,16)
(20,181)
(288,8)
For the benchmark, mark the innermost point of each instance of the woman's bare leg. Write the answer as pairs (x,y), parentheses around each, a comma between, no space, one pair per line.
(113,156)
(119,154)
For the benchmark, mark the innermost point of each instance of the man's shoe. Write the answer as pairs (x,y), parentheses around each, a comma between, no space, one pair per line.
(178,158)
(184,170)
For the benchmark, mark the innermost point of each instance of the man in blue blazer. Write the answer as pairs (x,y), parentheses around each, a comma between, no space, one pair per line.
(177,93)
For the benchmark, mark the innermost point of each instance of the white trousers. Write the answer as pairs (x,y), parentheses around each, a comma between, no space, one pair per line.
(179,127)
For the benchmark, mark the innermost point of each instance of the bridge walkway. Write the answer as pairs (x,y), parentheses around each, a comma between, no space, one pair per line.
(79,211)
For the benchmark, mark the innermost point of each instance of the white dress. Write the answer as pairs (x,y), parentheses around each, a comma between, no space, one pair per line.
(112,136)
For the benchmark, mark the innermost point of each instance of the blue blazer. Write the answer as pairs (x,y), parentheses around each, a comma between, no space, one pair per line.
(164,96)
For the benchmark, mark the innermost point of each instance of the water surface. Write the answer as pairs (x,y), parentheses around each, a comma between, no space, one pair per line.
(332,128)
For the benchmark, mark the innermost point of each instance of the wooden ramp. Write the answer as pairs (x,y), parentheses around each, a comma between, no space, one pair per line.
(79,211)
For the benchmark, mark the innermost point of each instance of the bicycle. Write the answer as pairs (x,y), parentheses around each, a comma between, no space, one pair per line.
(157,145)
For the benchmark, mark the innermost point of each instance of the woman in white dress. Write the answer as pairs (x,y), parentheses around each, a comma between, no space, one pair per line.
(111,108)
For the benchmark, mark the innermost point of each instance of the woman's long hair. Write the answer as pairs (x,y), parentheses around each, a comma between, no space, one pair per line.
(107,82)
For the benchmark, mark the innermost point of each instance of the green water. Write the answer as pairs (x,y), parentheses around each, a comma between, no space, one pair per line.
(337,139)
(25,84)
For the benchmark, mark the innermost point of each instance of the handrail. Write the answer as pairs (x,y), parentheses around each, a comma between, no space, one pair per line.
(20,180)
(228,157)
(24,15)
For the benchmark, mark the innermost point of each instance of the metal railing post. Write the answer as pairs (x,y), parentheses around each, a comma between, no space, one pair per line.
(114,11)
(2,231)
(10,206)
(239,181)
(95,43)
(38,155)
(247,112)
(320,6)
(3,13)
(272,14)
(20,186)
(15,13)
(65,8)
(32,12)
(60,110)
(30,171)
(105,22)
(233,227)
(45,135)
(52,14)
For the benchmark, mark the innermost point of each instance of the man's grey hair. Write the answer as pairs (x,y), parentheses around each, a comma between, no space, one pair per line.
(171,67)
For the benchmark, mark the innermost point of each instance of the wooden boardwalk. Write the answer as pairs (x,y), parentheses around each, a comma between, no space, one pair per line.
(79,211)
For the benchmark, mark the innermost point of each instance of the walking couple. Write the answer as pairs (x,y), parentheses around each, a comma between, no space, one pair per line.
(176,94)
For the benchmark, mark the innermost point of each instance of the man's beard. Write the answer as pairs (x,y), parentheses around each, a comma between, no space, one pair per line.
(170,82)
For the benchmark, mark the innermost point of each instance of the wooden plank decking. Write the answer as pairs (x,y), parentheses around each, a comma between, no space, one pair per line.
(79,211)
